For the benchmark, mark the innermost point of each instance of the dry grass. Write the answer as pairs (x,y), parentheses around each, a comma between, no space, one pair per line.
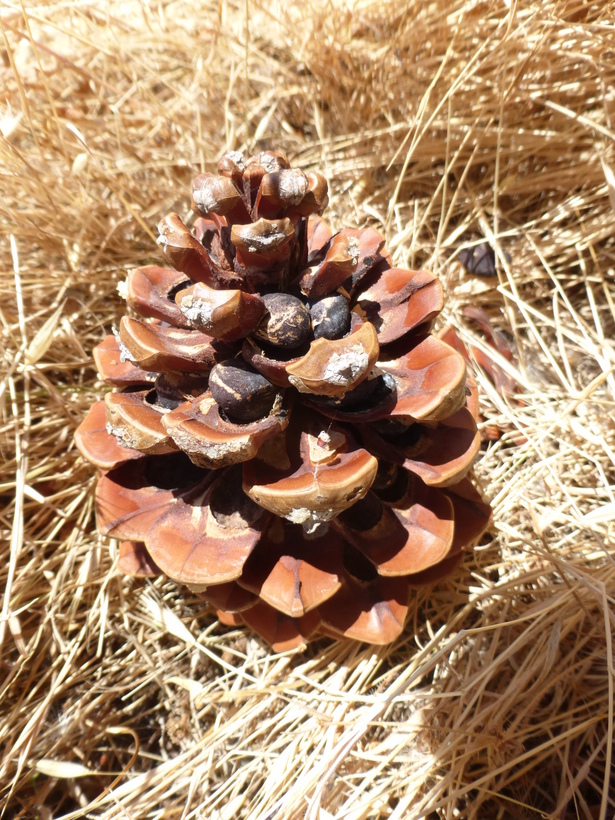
(442,123)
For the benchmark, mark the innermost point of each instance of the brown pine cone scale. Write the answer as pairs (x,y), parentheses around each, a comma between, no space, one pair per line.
(285,436)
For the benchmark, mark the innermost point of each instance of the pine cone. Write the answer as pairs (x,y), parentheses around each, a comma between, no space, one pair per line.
(285,436)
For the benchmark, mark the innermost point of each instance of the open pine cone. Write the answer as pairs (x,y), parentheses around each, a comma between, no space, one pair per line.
(285,436)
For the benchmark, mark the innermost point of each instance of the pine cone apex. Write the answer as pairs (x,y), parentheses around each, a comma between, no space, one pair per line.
(285,435)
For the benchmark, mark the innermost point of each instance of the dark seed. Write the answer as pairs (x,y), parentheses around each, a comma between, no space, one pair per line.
(396,490)
(229,505)
(170,472)
(370,394)
(330,317)
(243,394)
(358,566)
(286,323)
(403,436)
(163,400)
(171,294)
(389,428)
(360,396)
(363,515)
(386,475)
(172,389)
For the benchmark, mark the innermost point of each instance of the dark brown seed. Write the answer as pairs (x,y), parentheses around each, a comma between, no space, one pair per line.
(397,433)
(389,428)
(164,400)
(243,394)
(357,565)
(364,515)
(170,472)
(396,490)
(173,389)
(228,503)
(386,475)
(360,395)
(286,323)
(363,400)
(330,317)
